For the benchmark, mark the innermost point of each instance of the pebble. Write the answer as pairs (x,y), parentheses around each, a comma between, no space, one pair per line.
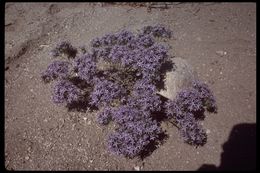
(89,122)
(207,131)
(221,72)
(221,52)
(137,168)
(27,157)
(211,69)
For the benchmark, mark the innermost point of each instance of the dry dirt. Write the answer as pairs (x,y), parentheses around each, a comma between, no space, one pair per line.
(217,39)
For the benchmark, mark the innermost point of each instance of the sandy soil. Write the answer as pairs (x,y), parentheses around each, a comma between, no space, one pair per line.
(217,39)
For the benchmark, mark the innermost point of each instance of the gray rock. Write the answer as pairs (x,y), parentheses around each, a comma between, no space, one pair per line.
(180,77)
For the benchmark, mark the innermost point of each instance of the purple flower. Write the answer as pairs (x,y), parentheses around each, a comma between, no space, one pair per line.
(144,97)
(86,68)
(105,115)
(96,42)
(124,37)
(105,92)
(190,100)
(131,138)
(206,95)
(65,92)
(172,109)
(126,92)
(118,53)
(191,131)
(57,69)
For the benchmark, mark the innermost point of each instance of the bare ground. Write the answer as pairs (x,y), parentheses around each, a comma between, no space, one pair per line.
(217,39)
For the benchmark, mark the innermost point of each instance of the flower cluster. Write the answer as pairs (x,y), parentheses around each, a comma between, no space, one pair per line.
(132,138)
(188,103)
(57,69)
(85,67)
(126,91)
(65,92)
(105,92)
(144,97)
(191,131)
(206,95)
(105,116)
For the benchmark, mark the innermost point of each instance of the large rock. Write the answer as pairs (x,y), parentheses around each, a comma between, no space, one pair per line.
(180,77)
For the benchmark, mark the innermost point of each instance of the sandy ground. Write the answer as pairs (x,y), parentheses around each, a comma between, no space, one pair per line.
(217,39)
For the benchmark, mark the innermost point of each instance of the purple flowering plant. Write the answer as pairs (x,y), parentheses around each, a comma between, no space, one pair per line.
(124,89)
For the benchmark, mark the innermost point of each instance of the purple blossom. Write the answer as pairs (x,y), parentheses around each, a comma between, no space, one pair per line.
(124,37)
(206,95)
(131,139)
(183,109)
(172,109)
(150,61)
(126,113)
(144,97)
(118,53)
(102,52)
(145,41)
(105,116)
(65,92)
(57,69)
(191,131)
(96,42)
(86,68)
(106,40)
(127,95)
(105,91)
(190,100)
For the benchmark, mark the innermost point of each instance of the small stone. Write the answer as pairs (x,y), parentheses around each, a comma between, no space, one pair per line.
(89,122)
(137,168)
(91,161)
(221,52)
(211,69)
(207,131)
(27,157)
(221,72)
(178,77)
(84,118)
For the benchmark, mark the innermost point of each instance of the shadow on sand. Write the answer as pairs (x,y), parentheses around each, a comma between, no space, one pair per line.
(239,152)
